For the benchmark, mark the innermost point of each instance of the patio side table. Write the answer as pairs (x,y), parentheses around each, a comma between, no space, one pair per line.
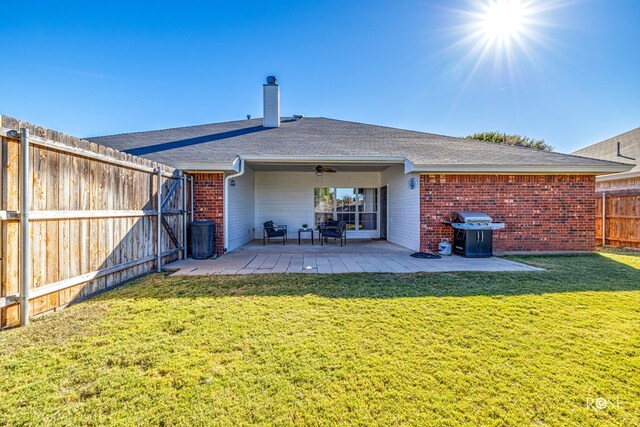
(303,230)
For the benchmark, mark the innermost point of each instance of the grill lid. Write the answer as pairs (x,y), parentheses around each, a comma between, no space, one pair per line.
(471,216)
(477,225)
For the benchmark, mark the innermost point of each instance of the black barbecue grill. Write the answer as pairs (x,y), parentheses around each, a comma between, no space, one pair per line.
(473,234)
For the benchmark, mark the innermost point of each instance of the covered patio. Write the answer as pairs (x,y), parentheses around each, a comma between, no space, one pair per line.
(372,198)
(358,256)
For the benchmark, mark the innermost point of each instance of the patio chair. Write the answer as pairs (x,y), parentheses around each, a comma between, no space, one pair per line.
(334,230)
(273,230)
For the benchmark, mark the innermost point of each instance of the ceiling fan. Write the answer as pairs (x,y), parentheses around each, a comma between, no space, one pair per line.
(321,170)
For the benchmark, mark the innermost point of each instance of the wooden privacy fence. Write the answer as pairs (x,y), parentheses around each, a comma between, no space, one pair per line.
(82,219)
(618,219)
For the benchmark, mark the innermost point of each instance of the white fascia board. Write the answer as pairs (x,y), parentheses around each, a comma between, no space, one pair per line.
(408,166)
(521,169)
(207,166)
(237,164)
(316,159)
(616,176)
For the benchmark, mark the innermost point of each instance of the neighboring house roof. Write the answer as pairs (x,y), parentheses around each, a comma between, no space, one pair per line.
(322,138)
(608,150)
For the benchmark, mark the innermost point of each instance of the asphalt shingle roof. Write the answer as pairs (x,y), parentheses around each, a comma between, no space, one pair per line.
(318,136)
(608,149)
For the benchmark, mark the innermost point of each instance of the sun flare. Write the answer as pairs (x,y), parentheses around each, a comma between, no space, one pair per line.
(503,19)
(503,34)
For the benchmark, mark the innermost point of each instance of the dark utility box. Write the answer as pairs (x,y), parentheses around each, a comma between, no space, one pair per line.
(473,243)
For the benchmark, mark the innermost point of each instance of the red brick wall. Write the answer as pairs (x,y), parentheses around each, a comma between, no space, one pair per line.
(541,212)
(208,202)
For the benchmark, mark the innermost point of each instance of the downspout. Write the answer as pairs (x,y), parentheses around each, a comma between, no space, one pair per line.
(225,209)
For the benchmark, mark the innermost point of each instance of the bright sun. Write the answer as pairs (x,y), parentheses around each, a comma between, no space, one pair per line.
(506,35)
(503,20)
(502,29)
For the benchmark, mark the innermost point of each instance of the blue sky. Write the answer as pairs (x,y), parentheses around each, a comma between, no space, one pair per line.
(95,68)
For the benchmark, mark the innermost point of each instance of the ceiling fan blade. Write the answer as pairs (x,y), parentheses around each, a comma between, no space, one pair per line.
(321,169)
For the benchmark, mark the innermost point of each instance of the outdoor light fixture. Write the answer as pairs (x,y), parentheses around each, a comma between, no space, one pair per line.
(412,183)
(319,173)
(232,182)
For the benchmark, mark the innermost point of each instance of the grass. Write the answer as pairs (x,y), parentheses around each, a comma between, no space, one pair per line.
(527,348)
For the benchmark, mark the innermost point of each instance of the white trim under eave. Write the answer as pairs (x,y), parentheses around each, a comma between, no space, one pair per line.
(332,159)
(617,176)
(522,169)
(207,166)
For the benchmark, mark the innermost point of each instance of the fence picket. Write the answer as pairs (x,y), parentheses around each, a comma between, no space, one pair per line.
(621,222)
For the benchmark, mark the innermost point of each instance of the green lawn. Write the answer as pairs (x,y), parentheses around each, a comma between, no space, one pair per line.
(528,348)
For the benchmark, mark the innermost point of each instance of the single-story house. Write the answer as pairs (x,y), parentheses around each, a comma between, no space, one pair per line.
(388,183)
(623,148)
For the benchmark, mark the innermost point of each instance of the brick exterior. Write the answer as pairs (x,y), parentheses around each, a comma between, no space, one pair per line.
(208,202)
(541,212)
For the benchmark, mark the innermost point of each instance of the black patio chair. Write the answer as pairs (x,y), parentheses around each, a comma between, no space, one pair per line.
(334,230)
(273,230)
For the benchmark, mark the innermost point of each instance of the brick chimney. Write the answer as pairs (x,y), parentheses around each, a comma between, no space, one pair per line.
(271,103)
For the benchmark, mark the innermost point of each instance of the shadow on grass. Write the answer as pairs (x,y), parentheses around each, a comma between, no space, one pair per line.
(568,273)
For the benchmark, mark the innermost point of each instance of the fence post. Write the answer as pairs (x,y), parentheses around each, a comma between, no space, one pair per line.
(604,218)
(184,217)
(159,239)
(25,253)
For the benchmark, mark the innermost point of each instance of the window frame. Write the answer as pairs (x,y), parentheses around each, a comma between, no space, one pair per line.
(356,212)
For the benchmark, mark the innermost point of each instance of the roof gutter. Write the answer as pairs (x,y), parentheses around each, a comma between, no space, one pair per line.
(207,166)
(409,167)
(332,159)
(239,163)
(615,176)
(522,169)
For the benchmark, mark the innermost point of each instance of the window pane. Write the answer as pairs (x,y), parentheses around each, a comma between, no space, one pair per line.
(346,199)
(323,217)
(323,199)
(368,199)
(349,218)
(323,204)
(368,221)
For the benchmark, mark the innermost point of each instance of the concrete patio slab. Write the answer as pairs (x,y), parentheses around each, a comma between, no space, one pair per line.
(356,257)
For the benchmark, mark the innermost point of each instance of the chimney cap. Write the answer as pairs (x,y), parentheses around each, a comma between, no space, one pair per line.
(272,80)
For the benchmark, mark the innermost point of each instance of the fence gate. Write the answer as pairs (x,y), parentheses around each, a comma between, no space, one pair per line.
(173,216)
